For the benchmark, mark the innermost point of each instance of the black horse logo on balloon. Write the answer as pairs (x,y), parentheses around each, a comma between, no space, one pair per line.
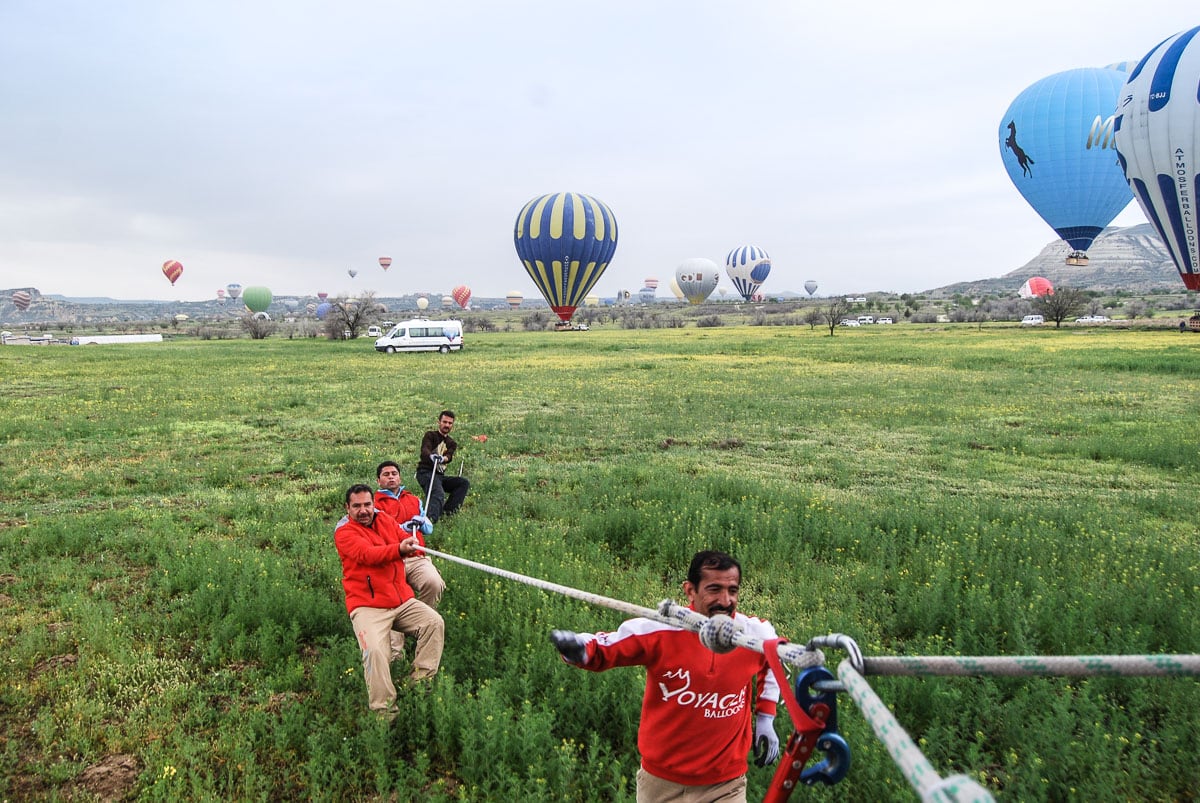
(1023,159)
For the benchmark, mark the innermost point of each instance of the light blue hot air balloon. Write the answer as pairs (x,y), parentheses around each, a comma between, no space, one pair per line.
(1158,139)
(323,310)
(747,267)
(565,240)
(1056,140)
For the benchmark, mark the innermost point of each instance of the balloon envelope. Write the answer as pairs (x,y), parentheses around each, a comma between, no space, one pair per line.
(1057,145)
(810,287)
(461,295)
(514,299)
(256,299)
(1036,286)
(221,293)
(747,267)
(172,270)
(323,310)
(21,300)
(351,272)
(1158,139)
(234,290)
(697,278)
(385,262)
(651,282)
(322,296)
(565,240)
(422,303)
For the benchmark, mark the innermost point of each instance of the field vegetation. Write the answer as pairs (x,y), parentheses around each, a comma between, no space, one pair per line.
(173,625)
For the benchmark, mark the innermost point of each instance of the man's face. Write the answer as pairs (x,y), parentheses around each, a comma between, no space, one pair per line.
(389,478)
(717,592)
(361,508)
(445,424)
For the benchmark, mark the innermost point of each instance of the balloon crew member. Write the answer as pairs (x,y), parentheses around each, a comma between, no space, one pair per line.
(699,710)
(391,498)
(372,548)
(445,493)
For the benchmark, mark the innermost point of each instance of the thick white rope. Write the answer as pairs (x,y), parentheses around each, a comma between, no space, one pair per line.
(719,633)
(1036,665)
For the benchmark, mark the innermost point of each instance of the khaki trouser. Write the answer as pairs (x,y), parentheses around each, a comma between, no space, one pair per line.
(373,627)
(652,789)
(425,580)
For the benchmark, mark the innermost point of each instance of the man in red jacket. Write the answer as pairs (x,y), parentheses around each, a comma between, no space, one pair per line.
(404,507)
(699,707)
(373,548)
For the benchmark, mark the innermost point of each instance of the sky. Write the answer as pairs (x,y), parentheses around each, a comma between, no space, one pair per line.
(286,143)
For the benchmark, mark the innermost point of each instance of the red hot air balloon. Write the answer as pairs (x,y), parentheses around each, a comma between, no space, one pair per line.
(172,270)
(461,295)
(385,262)
(322,295)
(1036,286)
(21,300)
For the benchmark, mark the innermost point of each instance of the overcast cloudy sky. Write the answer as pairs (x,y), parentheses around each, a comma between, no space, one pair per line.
(283,143)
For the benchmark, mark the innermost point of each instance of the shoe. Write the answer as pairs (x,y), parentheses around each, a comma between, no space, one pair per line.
(386,714)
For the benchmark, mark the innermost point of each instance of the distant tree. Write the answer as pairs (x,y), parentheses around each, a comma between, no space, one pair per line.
(814,317)
(257,325)
(1063,303)
(838,308)
(351,315)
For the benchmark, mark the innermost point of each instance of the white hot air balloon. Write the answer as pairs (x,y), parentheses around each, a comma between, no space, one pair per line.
(1157,133)
(810,287)
(697,278)
(747,267)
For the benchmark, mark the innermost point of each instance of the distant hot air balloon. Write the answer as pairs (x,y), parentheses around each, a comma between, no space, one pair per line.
(514,299)
(676,290)
(591,301)
(172,270)
(22,299)
(565,240)
(1036,286)
(322,295)
(747,267)
(385,262)
(810,287)
(323,310)
(235,291)
(352,272)
(447,301)
(256,299)
(1158,139)
(723,291)
(697,278)
(651,282)
(461,295)
(310,308)
(422,303)
(221,294)
(1056,140)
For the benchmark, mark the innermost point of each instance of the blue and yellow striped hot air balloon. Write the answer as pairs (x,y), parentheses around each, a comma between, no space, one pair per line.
(565,240)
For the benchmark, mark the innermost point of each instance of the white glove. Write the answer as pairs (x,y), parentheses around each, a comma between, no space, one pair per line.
(766,741)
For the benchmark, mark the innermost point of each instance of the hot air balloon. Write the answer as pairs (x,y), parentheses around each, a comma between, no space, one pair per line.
(257,299)
(1056,140)
(235,290)
(351,272)
(422,303)
(1036,286)
(323,310)
(565,240)
(1158,139)
(723,291)
(447,301)
(676,290)
(810,287)
(172,270)
(322,295)
(461,295)
(697,278)
(514,299)
(221,295)
(22,299)
(385,263)
(747,267)
(310,308)
(651,282)
(591,301)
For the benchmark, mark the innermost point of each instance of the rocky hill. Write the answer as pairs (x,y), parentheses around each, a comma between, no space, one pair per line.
(1129,258)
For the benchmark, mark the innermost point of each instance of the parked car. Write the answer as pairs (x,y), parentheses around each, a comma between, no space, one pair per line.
(1092,319)
(374,331)
(885,320)
(848,322)
(1032,320)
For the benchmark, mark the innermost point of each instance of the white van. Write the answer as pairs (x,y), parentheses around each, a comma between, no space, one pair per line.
(374,331)
(1032,320)
(422,334)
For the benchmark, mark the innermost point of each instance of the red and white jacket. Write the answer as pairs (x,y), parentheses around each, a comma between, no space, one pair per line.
(698,709)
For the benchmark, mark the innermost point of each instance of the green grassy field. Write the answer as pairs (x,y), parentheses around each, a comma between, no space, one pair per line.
(173,621)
